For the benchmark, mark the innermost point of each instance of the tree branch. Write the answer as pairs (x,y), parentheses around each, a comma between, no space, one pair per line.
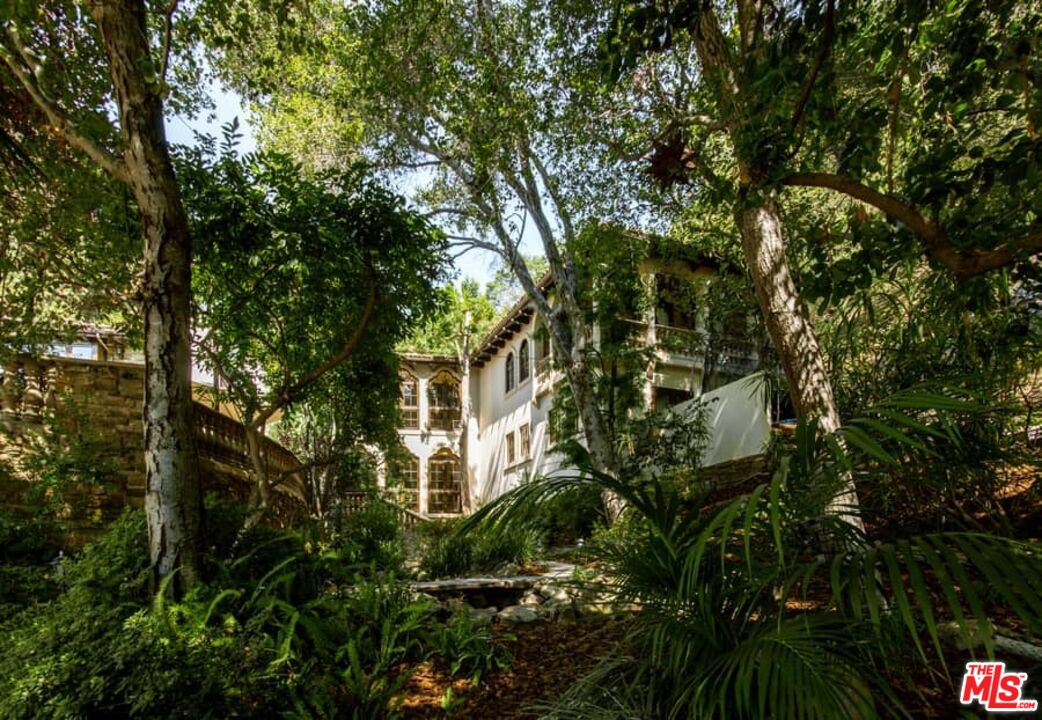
(819,60)
(472,243)
(108,162)
(288,394)
(168,31)
(963,264)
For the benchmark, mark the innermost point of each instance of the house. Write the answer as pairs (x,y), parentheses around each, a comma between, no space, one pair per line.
(453,464)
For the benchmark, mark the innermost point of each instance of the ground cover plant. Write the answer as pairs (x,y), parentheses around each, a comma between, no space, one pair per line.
(283,628)
(765,606)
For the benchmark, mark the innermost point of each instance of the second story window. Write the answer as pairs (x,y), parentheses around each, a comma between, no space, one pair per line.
(409,401)
(407,470)
(525,441)
(511,450)
(545,359)
(443,396)
(523,362)
(510,372)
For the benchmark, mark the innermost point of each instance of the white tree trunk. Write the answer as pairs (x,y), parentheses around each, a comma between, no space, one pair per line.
(173,503)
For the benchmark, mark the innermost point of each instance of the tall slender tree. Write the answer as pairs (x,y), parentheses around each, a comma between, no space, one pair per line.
(73,61)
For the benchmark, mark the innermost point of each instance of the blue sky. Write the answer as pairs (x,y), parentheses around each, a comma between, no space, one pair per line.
(476,264)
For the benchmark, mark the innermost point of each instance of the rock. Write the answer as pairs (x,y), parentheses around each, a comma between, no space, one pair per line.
(481,617)
(595,609)
(554,593)
(559,611)
(517,614)
(531,599)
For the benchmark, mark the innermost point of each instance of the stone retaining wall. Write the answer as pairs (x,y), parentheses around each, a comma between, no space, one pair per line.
(98,405)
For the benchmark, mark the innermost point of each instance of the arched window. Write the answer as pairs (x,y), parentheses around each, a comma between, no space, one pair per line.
(523,362)
(444,486)
(510,372)
(407,475)
(409,400)
(443,397)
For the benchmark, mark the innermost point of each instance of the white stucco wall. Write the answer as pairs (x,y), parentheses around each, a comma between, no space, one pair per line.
(737,415)
(738,418)
(502,412)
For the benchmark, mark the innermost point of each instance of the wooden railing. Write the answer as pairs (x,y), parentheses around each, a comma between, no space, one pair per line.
(223,439)
(358,500)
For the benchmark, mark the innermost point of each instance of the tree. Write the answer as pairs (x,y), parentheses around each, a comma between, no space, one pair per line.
(473,106)
(749,103)
(303,286)
(61,58)
(504,290)
(71,240)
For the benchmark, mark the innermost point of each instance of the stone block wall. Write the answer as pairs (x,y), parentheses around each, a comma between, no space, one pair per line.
(99,405)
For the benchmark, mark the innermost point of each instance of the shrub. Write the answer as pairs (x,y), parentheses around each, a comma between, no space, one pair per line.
(448,550)
(372,535)
(28,547)
(468,648)
(98,651)
(282,629)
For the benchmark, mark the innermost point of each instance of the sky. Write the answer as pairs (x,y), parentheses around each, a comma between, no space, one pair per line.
(475,264)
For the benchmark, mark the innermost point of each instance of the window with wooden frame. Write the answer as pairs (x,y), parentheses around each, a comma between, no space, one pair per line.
(525,441)
(509,370)
(409,400)
(444,483)
(544,361)
(407,471)
(511,449)
(443,400)
(523,362)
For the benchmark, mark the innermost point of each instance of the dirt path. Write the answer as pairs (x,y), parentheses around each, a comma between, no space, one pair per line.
(548,657)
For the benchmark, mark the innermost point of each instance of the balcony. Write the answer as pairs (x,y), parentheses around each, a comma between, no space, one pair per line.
(688,348)
(679,345)
(446,418)
(546,376)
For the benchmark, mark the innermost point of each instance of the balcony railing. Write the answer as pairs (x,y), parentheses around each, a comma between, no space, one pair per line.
(544,365)
(728,351)
(679,341)
(447,418)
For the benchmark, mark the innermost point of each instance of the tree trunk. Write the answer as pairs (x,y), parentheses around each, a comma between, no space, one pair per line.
(786,317)
(788,323)
(463,355)
(173,503)
(599,441)
(260,492)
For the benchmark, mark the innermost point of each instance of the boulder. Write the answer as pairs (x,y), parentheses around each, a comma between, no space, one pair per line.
(517,614)
(559,611)
(593,609)
(481,617)
(531,599)
(555,593)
